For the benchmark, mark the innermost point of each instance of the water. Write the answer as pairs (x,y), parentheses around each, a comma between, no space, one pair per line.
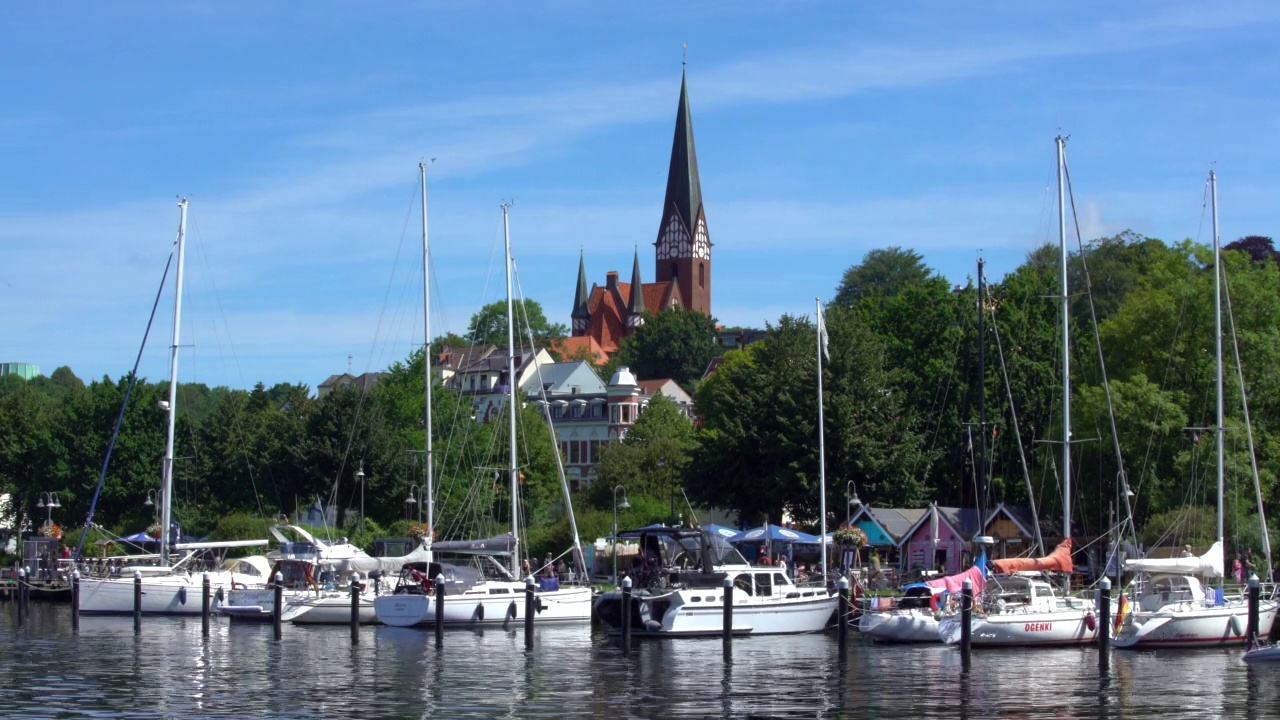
(240,671)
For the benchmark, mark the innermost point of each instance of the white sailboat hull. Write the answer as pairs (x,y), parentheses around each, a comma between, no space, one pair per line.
(488,605)
(177,594)
(1067,626)
(301,607)
(1189,626)
(900,626)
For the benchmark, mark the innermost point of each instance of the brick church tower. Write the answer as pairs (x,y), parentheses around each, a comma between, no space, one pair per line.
(682,257)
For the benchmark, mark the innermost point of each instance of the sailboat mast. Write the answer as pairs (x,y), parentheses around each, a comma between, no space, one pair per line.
(1066,343)
(426,360)
(166,472)
(1217,344)
(982,408)
(511,401)
(822,443)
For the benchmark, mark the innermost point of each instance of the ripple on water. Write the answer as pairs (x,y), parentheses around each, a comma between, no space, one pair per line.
(240,671)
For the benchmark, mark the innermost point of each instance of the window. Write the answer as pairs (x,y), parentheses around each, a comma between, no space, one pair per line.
(574,456)
(702,275)
(577,411)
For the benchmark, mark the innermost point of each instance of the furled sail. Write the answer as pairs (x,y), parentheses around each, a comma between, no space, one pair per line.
(1059,561)
(1209,565)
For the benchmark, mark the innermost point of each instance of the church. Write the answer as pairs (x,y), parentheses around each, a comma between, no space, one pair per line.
(682,258)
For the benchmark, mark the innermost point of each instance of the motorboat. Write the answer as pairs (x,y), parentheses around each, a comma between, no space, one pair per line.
(679,589)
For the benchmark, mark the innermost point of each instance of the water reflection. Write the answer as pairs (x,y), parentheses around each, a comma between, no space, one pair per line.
(240,670)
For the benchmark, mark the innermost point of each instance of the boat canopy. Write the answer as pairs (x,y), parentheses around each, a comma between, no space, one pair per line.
(388,565)
(1057,561)
(1210,564)
(498,545)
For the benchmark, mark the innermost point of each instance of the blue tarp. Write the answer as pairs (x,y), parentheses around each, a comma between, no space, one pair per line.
(775,533)
(138,538)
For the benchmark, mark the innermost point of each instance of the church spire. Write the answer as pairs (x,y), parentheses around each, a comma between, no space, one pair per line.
(684,191)
(581,315)
(683,248)
(635,306)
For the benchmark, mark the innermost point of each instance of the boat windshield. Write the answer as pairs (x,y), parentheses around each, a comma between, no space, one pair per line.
(721,552)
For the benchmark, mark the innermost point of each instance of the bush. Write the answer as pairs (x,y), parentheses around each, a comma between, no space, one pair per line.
(241,526)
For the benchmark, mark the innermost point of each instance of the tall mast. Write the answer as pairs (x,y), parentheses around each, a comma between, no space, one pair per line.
(511,401)
(1066,344)
(426,358)
(1217,344)
(822,441)
(166,472)
(982,408)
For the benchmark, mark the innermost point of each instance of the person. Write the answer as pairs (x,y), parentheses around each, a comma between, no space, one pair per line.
(782,563)
(764,559)
(548,567)
(1186,551)
(1249,568)
(525,569)
(1237,569)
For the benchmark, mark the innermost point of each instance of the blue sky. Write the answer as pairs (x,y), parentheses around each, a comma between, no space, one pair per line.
(824,130)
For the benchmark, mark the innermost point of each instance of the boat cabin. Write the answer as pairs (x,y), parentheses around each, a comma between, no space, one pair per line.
(1162,590)
(688,557)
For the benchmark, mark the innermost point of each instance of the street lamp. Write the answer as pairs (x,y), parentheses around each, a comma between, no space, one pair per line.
(360,477)
(851,491)
(416,494)
(625,506)
(49,501)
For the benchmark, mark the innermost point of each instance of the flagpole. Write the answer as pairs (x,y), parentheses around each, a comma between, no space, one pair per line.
(822,452)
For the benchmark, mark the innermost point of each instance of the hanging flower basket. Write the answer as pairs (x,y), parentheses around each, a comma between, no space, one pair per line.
(153,530)
(52,530)
(851,536)
(417,531)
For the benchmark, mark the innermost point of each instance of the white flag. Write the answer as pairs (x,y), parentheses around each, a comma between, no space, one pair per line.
(822,334)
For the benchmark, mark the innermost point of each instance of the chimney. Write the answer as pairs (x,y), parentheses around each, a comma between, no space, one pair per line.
(611,280)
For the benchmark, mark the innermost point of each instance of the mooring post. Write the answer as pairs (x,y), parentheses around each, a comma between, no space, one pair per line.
(137,601)
(1104,623)
(277,606)
(22,600)
(842,618)
(75,601)
(439,588)
(528,613)
(355,608)
(204,606)
(1251,633)
(626,614)
(728,610)
(966,618)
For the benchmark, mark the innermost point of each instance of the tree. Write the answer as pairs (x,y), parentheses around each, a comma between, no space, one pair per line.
(651,461)
(676,344)
(882,273)
(1259,247)
(489,325)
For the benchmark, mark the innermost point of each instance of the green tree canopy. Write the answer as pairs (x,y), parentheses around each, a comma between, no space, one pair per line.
(676,344)
(882,273)
(489,324)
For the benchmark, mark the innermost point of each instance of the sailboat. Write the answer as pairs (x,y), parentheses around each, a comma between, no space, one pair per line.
(1173,608)
(482,591)
(1022,610)
(171,589)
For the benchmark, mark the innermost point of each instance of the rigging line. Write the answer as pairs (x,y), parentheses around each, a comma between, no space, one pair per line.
(1248,426)
(237,421)
(579,557)
(1097,338)
(365,388)
(1017,435)
(133,379)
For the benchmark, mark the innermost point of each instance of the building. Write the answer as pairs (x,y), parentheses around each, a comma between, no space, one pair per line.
(682,255)
(481,372)
(364,382)
(669,389)
(26,371)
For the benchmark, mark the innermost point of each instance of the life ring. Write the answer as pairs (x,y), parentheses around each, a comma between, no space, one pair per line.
(937,601)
